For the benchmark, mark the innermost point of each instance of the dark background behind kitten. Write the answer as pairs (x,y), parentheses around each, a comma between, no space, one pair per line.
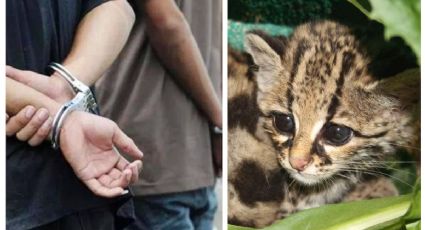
(389,57)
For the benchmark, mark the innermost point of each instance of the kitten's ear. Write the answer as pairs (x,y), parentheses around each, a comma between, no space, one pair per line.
(405,87)
(265,57)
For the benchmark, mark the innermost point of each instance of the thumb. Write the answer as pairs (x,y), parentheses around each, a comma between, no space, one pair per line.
(126,144)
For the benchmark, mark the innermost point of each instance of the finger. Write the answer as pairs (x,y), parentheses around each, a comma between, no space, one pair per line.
(122,163)
(135,168)
(126,144)
(42,133)
(29,78)
(41,116)
(123,180)
(7,117)
(115,173)
(17,74)
(105,180)
(19,121)
(97,188)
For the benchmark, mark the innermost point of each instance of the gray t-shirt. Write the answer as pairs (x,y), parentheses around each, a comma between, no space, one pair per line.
(145,101)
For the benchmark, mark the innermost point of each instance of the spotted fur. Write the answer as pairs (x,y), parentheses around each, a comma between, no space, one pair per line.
(320,77)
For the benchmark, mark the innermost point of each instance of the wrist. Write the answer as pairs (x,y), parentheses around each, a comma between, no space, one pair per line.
(52,106)
(61,117)
(70,120)
(61,88)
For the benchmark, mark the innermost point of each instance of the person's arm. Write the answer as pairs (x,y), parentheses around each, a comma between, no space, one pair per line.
(176,47)
(19,96)
(100,37)
(87,142)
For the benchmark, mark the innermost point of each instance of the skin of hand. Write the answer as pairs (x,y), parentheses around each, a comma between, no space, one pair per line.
(91,54)
(54,86)
(85,143)
(30,125)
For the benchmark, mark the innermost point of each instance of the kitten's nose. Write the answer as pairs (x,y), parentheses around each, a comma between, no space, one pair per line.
(299,163)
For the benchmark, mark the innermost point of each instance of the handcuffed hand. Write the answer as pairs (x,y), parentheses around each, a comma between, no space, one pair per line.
(30,125)
(87,141)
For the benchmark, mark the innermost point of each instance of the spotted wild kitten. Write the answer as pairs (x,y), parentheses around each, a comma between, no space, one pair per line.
(310,102)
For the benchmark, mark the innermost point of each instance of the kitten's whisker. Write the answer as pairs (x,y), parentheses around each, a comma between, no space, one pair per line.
(292,182)
(345,176)
(393,169)
(376,162)
(371,172)
(406,146)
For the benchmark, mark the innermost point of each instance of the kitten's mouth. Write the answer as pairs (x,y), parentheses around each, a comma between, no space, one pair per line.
(308,178)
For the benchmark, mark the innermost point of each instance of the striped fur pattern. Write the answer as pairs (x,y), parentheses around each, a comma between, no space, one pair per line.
(319,78)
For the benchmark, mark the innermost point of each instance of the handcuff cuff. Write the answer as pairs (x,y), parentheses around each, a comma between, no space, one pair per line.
(83,101)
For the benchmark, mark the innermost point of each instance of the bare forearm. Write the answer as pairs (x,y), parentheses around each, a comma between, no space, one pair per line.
(99,38)
(19,95)
(176,47)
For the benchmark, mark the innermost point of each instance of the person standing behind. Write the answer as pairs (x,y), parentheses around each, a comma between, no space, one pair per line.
(162,91)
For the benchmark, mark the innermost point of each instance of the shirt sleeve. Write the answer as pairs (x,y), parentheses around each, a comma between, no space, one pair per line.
(88,5)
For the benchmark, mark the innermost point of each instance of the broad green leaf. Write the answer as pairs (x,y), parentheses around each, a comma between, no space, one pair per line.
(400,17)
(414,226)
(357,215)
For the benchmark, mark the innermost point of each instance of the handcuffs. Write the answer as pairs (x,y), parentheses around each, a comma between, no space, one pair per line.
(83,101)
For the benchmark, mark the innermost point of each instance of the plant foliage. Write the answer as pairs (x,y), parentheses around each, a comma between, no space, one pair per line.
(385,213)
(400,18)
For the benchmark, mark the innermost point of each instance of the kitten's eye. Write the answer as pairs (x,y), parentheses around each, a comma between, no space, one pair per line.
(283,123)
(338,134)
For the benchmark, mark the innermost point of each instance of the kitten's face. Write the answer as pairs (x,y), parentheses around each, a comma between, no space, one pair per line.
(321,109)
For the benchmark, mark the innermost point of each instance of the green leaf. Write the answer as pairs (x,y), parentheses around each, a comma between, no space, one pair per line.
(414,226)
(233,227)
(400,17)
(366,214)
(414,212)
